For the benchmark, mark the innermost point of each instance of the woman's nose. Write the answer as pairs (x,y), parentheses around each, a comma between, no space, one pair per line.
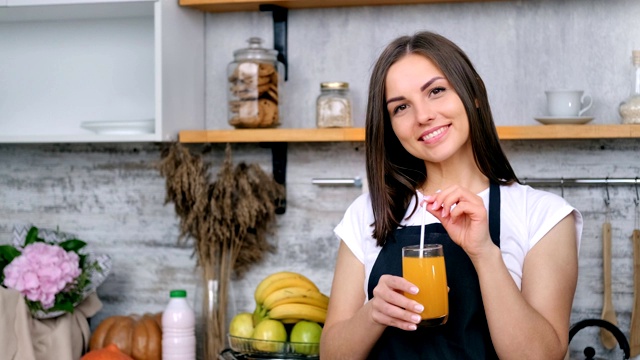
(424,113)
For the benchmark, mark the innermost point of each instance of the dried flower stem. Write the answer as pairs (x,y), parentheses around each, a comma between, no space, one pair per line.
(228,219)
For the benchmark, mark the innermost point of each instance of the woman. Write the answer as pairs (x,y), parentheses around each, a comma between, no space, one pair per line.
(511,251)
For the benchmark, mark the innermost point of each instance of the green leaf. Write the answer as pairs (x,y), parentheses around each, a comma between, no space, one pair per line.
(82,259)
(64,306)
(72,245)
(32,236)
(8,253)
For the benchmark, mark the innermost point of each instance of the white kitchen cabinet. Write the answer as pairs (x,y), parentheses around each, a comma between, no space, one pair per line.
(63,2)
(100,71)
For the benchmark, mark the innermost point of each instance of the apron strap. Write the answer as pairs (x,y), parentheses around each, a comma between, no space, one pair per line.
(494,213)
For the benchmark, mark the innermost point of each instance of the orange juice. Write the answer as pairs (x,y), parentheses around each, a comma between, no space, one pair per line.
(429,275)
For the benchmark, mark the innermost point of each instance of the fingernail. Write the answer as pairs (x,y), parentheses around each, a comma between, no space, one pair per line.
(437,191)
(418,308)
(442,213)
(414,290)
(412,327)
(434,206)
(415,318)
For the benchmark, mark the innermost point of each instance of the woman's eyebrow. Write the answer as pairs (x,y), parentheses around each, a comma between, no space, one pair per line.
(428,83)
(397,98)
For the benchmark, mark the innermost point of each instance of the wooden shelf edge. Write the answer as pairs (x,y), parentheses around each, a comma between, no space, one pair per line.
(533,132)
(254,5)
(567,132)
(272,135)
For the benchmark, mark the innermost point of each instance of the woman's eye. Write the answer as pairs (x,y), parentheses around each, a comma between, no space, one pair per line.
(399,108)
(437,90)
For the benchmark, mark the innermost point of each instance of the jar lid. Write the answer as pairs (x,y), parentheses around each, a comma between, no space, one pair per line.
(334,85)
(255,51)
(635,54)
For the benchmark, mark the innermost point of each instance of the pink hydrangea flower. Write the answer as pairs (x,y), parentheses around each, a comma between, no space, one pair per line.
(41,272)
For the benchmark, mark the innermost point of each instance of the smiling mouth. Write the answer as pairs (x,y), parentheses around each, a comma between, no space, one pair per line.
(435,133)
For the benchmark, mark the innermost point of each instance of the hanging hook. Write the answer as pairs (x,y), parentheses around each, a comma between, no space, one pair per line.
(607,201)
(637,202)
(562,187)
(637,199)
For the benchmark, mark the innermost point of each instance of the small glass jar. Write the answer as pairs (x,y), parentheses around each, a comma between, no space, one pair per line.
(333,106)
(255,87)
(630,108)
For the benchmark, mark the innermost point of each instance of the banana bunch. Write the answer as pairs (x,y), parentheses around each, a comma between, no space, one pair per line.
(289,297)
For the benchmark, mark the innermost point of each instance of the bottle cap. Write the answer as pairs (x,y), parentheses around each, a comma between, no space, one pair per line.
(178,293)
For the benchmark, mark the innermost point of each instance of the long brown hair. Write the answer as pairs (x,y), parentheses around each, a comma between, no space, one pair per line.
(392,172)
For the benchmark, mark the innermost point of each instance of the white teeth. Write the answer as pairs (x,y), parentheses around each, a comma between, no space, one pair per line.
(433,134)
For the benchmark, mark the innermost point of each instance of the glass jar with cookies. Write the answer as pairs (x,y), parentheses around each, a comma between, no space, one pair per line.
(255,87)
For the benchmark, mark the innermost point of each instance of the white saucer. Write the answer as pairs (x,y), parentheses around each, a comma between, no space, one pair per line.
(125,127)
(554,120)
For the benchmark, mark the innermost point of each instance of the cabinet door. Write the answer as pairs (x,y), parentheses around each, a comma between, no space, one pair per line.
(62,2)
(97,72)
(69,66)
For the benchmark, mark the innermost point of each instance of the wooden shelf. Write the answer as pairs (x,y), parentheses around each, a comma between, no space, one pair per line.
(534,132)
(254,5)
(565,132)
(272,135)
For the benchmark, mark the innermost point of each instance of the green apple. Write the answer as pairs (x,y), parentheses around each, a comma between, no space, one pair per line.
(305,337)
(269,336)
(241,325)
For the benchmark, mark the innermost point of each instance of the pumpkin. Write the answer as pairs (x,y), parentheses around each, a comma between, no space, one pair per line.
(110,352)
(137,336)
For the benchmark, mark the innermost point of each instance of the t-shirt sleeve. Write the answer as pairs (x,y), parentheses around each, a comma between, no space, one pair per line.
(546,210)
(355,224)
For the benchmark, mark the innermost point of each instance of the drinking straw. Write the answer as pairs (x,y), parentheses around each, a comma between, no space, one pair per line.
(424,219)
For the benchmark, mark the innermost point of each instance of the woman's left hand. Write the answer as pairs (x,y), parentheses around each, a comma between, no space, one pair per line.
(463,215)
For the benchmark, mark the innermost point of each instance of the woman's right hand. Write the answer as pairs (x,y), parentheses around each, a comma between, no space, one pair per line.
(390,307)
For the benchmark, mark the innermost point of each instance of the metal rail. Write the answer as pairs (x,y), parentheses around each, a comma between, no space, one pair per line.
(535,182)
(562,183)
(356,181)
(580,181)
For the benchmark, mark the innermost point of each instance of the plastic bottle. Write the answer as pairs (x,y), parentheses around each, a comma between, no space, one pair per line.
(178,328)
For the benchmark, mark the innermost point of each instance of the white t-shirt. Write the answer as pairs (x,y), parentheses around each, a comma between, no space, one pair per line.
(526,215)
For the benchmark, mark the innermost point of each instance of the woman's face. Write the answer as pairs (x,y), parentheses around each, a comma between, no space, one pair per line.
(426,113)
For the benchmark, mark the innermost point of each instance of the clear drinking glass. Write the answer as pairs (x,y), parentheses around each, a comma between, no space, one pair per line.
(425,268)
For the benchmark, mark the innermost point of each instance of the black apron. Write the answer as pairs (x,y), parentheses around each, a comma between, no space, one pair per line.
(466,333)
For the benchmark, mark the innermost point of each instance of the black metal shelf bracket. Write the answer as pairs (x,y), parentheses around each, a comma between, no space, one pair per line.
(279,165)
(279,149)
(280,15)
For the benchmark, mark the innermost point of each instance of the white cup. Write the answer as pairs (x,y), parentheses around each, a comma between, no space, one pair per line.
(567,103)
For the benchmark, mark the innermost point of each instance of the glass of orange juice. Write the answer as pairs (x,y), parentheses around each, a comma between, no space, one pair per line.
(424,267)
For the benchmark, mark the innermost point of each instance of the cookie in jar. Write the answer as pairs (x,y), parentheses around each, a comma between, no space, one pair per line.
(255,87)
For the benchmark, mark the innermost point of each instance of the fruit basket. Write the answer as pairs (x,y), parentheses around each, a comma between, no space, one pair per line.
(279,349)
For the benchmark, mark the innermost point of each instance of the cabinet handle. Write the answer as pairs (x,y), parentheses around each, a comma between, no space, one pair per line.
(356,181)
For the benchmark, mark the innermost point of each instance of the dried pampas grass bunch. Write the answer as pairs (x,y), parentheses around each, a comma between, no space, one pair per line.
(228,219)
